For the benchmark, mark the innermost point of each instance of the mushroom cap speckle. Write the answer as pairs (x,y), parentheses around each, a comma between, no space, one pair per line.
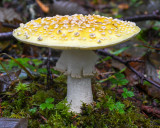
(87,32)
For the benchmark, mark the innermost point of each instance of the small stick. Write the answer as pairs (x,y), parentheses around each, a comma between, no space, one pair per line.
(43,7)
(49,74)
(9,25)
(6,36)
(154,16)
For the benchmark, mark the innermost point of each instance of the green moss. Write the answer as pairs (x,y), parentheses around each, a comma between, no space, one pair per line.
(102,117)
(103,113)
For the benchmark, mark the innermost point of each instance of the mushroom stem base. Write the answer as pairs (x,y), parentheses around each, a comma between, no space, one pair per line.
(78,91)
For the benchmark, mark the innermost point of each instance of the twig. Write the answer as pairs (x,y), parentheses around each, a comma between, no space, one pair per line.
(154,16)
(134,60)
(9,25)
(43,118)
(150,109)
(49,74)
(142,18)
(1,108)
(126,63)
(6,36)
(4,82)
(43,7)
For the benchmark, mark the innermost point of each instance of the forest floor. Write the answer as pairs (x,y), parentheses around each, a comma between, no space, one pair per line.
(31,88)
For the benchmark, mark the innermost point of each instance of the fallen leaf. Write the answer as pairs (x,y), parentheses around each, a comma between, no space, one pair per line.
(123,6)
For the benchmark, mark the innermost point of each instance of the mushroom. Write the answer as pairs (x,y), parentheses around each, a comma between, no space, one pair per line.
(77,36)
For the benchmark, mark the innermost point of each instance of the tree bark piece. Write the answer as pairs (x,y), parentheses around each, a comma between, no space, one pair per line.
(13,123)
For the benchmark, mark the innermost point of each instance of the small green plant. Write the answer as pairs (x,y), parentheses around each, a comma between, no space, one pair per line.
(112,105)
(23,61)
(136,3)
(127,93)
(22,87)
(48,104)
(116,53)
(58,114)
(146,83)
(7,1)
(35,63)
(158,72)
(72,126)
(33,110)
(45,126)
(118,79)
(119,107)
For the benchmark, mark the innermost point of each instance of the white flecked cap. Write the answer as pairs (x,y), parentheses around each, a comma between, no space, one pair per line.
(87,32)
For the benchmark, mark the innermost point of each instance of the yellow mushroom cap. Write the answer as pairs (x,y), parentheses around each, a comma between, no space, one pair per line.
(76,32)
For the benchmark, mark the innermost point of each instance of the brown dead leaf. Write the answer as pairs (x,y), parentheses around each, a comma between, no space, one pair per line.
(4,45)
(132,77)
(123,6)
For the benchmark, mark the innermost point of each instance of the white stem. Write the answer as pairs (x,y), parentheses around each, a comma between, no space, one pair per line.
(78,91)
(79,66)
